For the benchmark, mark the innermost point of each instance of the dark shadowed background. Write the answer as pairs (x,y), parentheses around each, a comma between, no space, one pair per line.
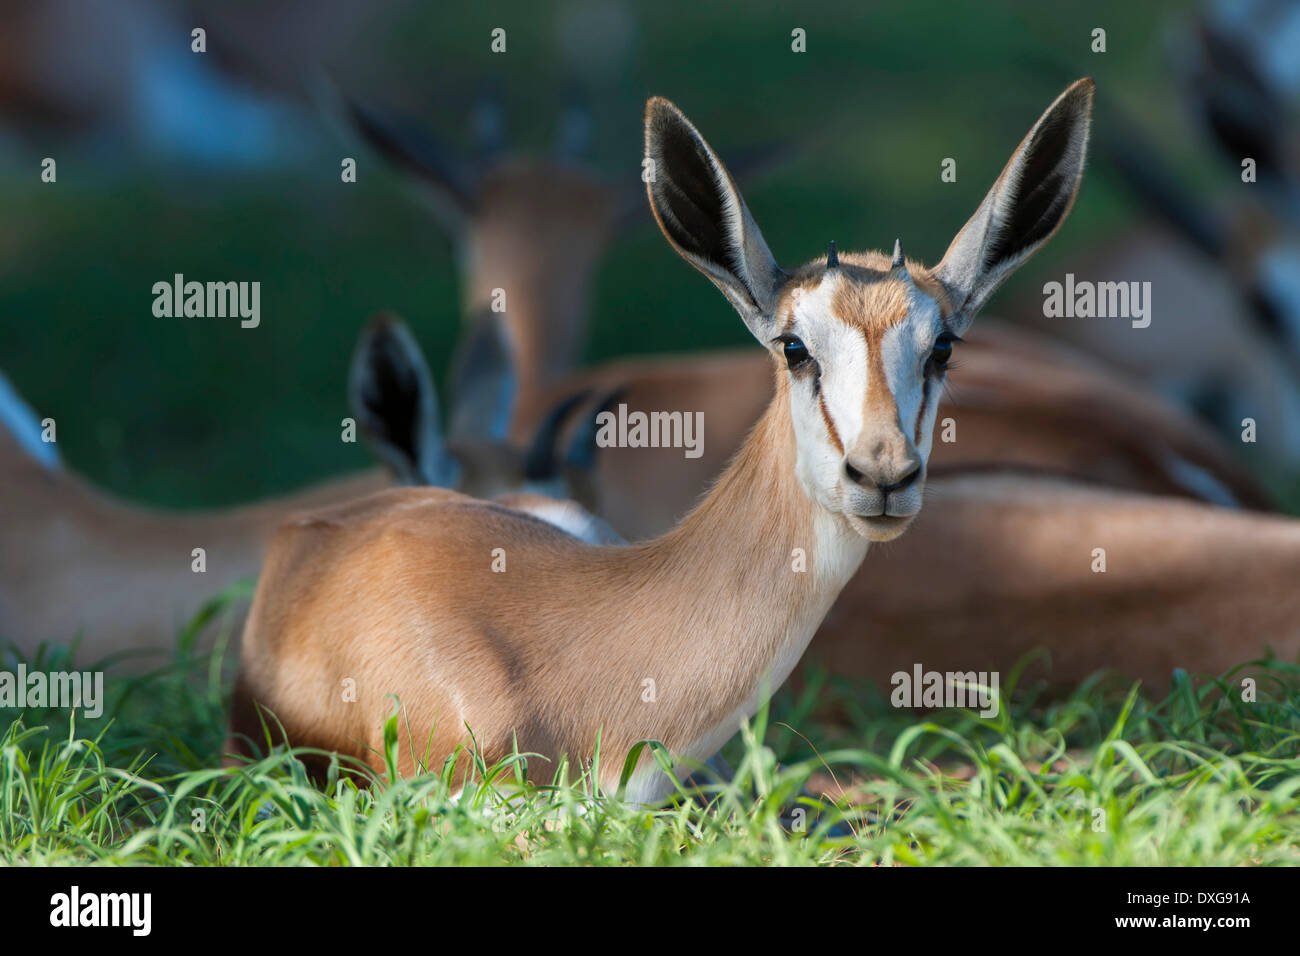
(185,411)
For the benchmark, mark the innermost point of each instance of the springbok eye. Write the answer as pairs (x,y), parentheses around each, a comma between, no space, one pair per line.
(942,351)
(796,353)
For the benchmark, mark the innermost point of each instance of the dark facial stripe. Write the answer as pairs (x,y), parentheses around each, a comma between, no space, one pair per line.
(830,425)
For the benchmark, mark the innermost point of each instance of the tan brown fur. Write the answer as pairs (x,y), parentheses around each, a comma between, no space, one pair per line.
(78,563)
(397,592)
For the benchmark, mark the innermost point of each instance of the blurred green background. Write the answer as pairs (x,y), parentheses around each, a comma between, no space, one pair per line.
(193,412)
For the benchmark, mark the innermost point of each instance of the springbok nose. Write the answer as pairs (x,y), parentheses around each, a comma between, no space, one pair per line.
(883,483)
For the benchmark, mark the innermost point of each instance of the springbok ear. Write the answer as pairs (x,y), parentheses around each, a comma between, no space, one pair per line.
(392,397)
(483,382)
(541,463)
(580,457)
(704,218)
(1023,209)
(445,182)
(1234,85)
(746,166)
(583,447)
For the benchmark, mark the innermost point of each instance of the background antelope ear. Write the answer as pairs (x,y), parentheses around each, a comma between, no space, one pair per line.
(583,448)
(541,462)
(445,182)
(483,382)
(580,458)
(1230,75)
(1025,206)
(392,398)
(702,214)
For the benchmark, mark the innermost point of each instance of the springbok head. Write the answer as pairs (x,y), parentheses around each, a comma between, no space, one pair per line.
(530,227)
(863,339)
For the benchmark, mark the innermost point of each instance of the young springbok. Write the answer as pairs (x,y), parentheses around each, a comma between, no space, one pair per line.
(78,563)
(497,631)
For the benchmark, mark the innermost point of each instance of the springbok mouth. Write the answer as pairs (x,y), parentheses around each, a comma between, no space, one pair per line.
(881,527)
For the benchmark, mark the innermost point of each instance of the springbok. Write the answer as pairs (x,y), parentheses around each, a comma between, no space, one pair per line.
(79,563)
(532,228)
(481,617)
(536,227)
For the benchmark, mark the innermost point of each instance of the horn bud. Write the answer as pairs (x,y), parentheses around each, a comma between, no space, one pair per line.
(898,268)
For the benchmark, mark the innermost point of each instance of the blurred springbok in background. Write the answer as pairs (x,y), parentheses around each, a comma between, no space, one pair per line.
(1223,337)
(1004,565)
(78,563)
(125,72)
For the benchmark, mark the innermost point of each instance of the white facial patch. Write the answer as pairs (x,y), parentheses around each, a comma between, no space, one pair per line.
(841,353)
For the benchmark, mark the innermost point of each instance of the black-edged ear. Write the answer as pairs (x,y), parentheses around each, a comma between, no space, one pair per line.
(582,450)
(1123,145)
(541,463)
(580,457)
(483,382)
(1234,87)
(704,217)
(392,398)
(1026,205)
(446,182)
(749,165)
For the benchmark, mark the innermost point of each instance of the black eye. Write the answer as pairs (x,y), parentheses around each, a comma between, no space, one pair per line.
(796,353)
(942,351)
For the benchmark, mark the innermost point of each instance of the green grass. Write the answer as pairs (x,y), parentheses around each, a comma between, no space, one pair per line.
(1199,777)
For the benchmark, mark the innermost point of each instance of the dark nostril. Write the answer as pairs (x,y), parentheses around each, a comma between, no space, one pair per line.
(902,483)
(885,488)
